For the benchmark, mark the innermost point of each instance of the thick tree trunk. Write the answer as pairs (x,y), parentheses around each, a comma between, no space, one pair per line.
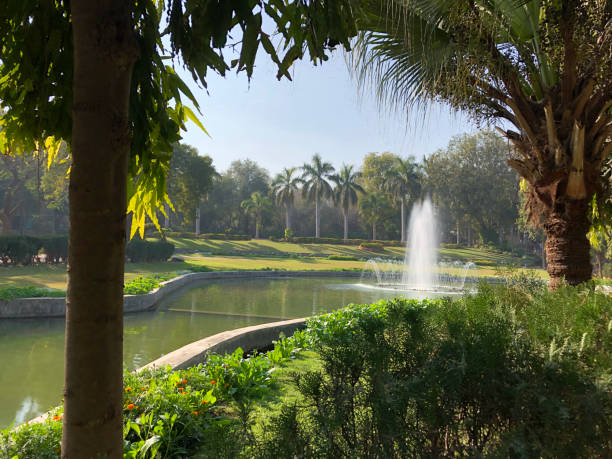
(345,215)
(317,227)
(403,212)
(104,53)
(567,247)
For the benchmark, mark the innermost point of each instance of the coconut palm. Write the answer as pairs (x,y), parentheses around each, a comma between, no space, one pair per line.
(257,204)
(345,191)
(542,68)
(316,186)
(284,187)
(373,208)
(404,184)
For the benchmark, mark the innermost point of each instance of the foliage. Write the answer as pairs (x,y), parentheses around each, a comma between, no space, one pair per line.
(138,250)
(259,205)
(343,258)
(55,247)
(143,285)
(10,293)
(171,413)
(482,375)
(18,250)
(372,246)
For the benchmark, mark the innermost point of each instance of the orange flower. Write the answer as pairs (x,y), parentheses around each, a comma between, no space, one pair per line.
(195,413)
(181,389)
(213,382)
(143,389)
(131,406)
(128,388)
(184,381)
(204,402)
(57,418)
(226,384)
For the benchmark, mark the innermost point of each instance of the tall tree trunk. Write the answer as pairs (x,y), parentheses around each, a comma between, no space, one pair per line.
(458,233)
(317,227)
(567,247)
(104,52)
(288,219)
(345,215)
(374,231)
(403,212)
(257,226)
(197,222)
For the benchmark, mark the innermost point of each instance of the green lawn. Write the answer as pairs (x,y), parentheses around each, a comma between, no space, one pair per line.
(243,255)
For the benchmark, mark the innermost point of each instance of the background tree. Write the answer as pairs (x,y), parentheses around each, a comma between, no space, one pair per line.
(345,191)
(316,186)
(542,67)
(189,179)
(258,205)
(285,187)
(374,208)
(404,184)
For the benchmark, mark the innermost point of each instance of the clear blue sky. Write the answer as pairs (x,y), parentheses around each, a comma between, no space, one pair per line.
(282,124)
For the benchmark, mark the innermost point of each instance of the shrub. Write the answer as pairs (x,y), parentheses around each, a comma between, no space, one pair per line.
(343,258)
(470,377)
(331,240)
(10,293)
(139,250)
(225,236)
(17,249)
(56,248)
(372,246)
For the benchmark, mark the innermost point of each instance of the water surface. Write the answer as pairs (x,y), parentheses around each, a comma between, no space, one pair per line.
(32,350)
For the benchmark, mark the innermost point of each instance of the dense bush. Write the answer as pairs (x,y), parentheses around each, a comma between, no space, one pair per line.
(10,293)
(55,247)
(332,240)
(139,250)
(372,246)
(343,258)
(18,250)
(513,371)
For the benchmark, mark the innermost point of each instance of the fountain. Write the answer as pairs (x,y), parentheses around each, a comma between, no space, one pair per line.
(420,270)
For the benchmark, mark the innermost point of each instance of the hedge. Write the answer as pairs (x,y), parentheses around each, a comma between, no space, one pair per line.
(215,236)
(138,250)
(333,240)
(18,250)
(55,247)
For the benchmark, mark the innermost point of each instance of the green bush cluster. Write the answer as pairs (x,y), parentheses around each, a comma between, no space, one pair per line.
(10,293)
(512,371)
(143,285)
(339,241)
(190,235)
(343,258)
(372,246)
(452,246)
(139,250)
(172,413)
(21,250)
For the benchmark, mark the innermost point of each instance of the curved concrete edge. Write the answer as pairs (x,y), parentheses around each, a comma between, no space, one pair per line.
(247,338)
(29,308)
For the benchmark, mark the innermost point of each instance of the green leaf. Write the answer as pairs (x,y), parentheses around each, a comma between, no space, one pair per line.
(190,115)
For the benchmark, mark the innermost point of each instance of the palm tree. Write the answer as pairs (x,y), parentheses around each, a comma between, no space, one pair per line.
(345,192)
(284,187)
(316,186)
(541,67)
(403,183)
(257,204)
(373,208)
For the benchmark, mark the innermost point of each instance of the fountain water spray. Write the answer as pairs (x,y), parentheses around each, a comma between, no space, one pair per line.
(420,270)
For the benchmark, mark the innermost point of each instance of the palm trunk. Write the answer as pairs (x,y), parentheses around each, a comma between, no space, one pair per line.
(567,247)
(257,226)
(373,231)
(458,233)
(197,222)
(403,212)
(345,215)
(104,53)
(287,219)
(317,228)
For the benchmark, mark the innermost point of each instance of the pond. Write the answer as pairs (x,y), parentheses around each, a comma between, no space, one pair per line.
(32,350)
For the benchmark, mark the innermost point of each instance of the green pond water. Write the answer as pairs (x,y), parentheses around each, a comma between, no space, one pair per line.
(32,350)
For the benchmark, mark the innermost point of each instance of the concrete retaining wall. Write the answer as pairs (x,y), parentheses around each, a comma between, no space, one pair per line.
(27,308)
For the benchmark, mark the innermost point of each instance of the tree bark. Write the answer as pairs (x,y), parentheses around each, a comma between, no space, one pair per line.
(317,227)
(373,231)
(458,234)
(567,247)
(345,215)
(197,222)
(104,52)
(287,219)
